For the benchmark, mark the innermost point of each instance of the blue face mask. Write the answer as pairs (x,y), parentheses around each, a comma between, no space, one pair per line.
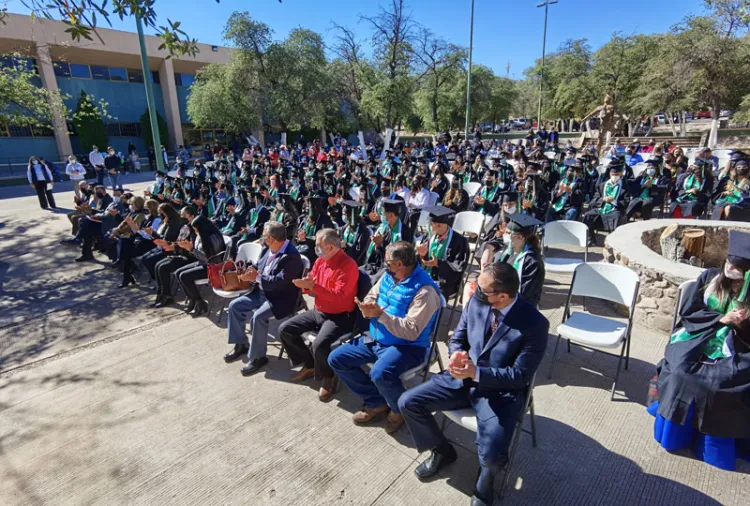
(221,195)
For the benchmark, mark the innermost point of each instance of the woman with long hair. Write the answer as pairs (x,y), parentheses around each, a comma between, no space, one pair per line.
(704,379)
(456,197)
(142,240)
(168,230)
(694,189)
(40,179)
(648,186)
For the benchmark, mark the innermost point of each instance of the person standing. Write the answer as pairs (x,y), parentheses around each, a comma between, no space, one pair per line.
(76,173)
(334,282)
(97,162)
(494,353)
(40,178)
(113,164)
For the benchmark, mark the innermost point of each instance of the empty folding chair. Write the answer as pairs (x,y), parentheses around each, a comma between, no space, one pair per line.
(467,419)
(565,233)
(610,282)
(449,177)
(472,188)
(469,223)
(678,302)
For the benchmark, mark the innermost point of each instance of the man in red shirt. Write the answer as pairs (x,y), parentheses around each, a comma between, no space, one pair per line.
(333,281)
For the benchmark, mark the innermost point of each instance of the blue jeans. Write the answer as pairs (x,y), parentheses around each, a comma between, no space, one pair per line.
(239,309)
(115,180)
(383,385)
(570,215)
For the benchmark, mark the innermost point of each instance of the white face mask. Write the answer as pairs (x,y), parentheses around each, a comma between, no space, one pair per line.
(132,209)
(34,163)
(615,179)
(651,172)
(116,200)
(507,238)
(732,273)
(510,210)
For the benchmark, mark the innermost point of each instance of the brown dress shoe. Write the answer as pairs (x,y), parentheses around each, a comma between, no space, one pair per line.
(367,415)
(328,389)
(304,374)
(394,422)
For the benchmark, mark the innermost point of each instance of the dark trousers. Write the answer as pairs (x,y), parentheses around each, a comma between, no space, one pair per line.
(188,275)
(150,259)
(99,169)
(164,270)
(75,220)
(329,328)
(130,249)
(46,199)
(493,435)
(89,231)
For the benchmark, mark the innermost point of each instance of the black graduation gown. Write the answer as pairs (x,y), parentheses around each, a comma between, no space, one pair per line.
(720,391)
(460,205)
(573,200)
(439,185)
(694,207)
(448,272)
(374,262)
(490,206)
(531,274)
(308,247)
(591,184)
(595,220)
(255,230)
(645,206)
(739,211)
(357,250)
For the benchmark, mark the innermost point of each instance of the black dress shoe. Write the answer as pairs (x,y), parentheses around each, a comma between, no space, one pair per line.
(201,307)
(239,351)
(71,242)
(126,283)
(254,366)
(165,301)
(435,462)
(159,297)
(85,258)
(190,306)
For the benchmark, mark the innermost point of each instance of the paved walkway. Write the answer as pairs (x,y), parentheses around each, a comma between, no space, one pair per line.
(104,402)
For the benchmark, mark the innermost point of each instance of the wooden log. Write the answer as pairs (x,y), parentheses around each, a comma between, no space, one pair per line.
(694,241)
(671,247)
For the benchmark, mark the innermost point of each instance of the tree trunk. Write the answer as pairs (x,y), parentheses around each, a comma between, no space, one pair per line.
(694,241)
(671,248)
(668,115)
(650,127)
(683,128)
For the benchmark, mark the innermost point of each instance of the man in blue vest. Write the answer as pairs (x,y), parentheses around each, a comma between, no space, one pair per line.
(494,352)
(402,308)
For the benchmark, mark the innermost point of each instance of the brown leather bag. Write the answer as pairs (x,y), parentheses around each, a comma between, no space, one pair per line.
(230,278)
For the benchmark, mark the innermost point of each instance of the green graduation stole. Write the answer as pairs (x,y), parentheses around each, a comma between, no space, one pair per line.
(350,235)
(438,248)
(610,190)
(382,229)
(254,212)
(736,195)
(210,205)
(280,217)
(646,192)
(310,229)
(714,348)
(489,195)
(467,177)
(274,193)
(560,202)
(690,183)
(294,192)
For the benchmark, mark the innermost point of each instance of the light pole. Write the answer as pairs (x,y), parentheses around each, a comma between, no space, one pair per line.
(546,5)
(468,83)
(150,98)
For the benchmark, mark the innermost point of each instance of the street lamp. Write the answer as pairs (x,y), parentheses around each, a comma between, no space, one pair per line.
(546,5)
(468,83)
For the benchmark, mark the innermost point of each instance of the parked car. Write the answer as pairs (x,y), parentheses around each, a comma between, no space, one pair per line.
(703,115)
(725,113)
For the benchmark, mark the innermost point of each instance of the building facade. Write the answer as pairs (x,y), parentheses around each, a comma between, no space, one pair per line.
(110,70)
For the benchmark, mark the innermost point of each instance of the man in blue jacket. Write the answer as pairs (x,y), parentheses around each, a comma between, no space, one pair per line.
(494,353)
(274,296)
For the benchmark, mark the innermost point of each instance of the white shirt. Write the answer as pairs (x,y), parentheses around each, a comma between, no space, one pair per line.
(96,158)
(42,173)
(420,199)
(75,171)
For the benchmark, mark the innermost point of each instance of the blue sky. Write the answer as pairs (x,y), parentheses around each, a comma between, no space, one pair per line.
(504,30)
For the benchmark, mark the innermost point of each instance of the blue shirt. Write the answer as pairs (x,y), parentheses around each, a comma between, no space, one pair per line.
(633,159)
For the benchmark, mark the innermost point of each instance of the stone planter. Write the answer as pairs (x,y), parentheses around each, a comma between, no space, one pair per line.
(636,245)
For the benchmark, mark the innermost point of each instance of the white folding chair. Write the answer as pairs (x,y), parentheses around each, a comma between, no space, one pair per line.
(638,169)
(434,198)
(550,155)
(228,250)
(469,223)
(354,193)
(565,233)
(449,177)
(610,282)
(472,188)
(432,354)
(248,253)
(678,302)
(467,419)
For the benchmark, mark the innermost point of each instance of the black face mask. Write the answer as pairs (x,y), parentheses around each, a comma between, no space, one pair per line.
(481,297)
(100,194)
(742,172)
(184,221)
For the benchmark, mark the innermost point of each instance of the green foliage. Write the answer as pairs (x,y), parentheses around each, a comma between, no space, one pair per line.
(23,101)
(89,125)
(146,132)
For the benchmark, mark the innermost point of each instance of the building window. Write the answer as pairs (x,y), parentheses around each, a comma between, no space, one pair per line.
(118,74)
(20,131)
(13,62)
(208,135)
(187,79)
(62,69)
(135,76)
(80,71)
(130,129)
(98,72)
(42,131)
(178,79)
(4,132)
(155,77)
(113,129)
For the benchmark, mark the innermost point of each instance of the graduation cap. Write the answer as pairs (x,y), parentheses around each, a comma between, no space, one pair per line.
(736,156)
(615,167)
(510,197)
(285,198)
(523,223)
(571,149)
(393,205)
(441,214)
(738,252)
(652,162)
(571,162)
(317,203)
(352,204)
(533,166)
(230,202)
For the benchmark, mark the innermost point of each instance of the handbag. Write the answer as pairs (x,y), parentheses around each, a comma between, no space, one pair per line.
(215,266)
(230,277)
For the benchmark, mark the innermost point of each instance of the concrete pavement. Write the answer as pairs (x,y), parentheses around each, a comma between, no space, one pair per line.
(106,402)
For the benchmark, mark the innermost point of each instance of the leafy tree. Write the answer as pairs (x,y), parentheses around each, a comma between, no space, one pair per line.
(23,101)
(146,132)
(89,124)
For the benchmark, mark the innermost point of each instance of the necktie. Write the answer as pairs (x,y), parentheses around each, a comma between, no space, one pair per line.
(495,321)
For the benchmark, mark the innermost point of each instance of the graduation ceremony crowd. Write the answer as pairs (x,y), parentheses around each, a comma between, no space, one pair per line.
(368,232)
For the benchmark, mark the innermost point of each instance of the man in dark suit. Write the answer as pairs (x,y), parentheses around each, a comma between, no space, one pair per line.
(494,353)
(275,296)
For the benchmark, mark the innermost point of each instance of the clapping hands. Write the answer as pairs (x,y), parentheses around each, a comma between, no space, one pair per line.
(369,309)
(460,366)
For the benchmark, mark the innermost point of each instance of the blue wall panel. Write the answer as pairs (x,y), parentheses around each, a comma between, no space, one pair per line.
(127,101)
(19,149)
(182,94)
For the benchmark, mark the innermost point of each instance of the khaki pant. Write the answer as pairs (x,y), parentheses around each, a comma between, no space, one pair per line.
(75,183)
